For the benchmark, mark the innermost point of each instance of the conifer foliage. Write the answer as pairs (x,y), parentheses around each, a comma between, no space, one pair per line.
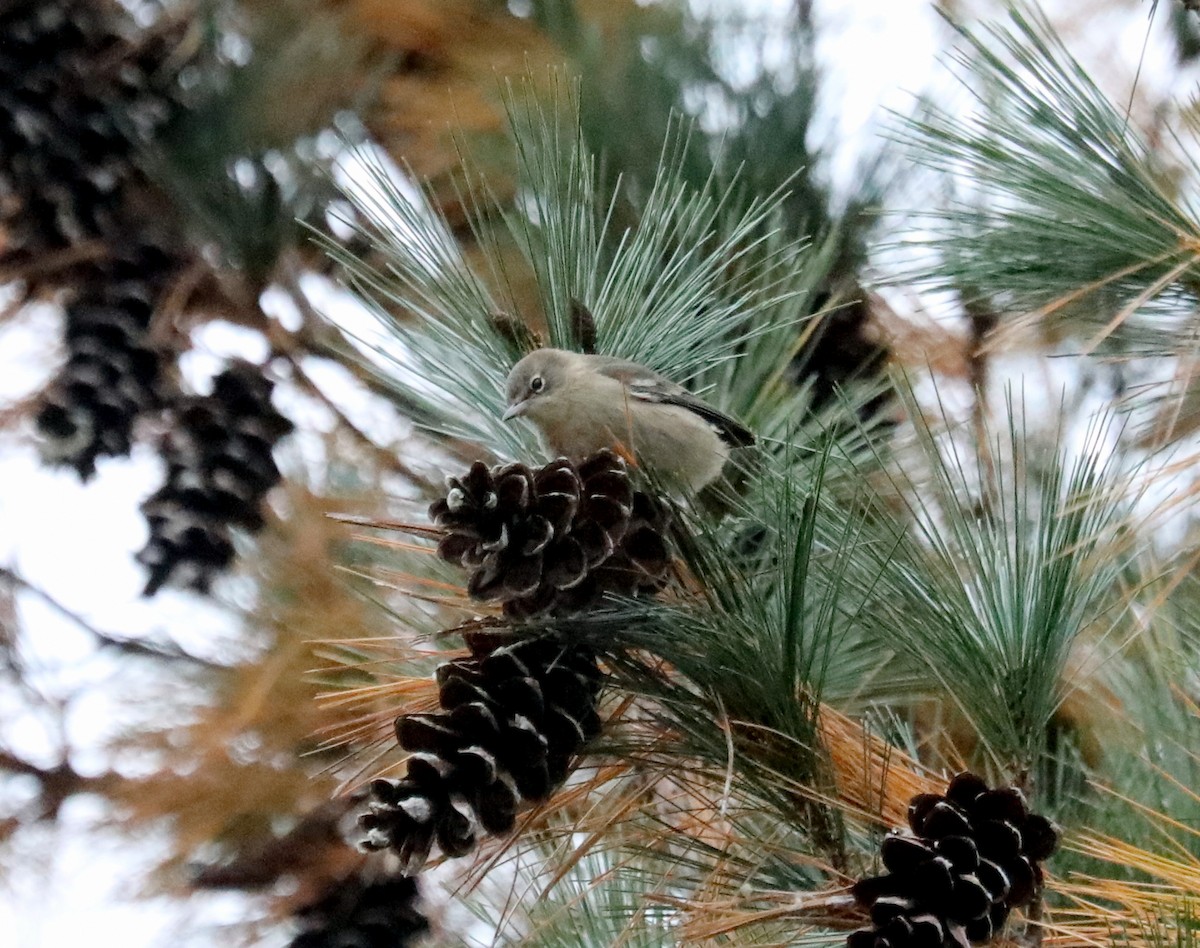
(758,674)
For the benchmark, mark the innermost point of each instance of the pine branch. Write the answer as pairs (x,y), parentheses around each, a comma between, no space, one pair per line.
(1072,218)
(104,640)
(709,286)
(993,596)
(56,784)
(313,845)
(788,604)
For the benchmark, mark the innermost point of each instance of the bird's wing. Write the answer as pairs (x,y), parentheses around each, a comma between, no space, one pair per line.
(647,385)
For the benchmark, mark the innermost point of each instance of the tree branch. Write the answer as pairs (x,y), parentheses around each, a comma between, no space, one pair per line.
(57,783)
(386,459)
(104,639)
(314,842)
(318,337)
(44,264)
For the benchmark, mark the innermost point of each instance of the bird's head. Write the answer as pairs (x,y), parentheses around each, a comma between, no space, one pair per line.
(534,381)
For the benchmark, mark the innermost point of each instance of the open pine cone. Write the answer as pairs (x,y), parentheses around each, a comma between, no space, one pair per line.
(556,539)
(513,718)
(219,469)
(83,88)
(974,856)
(113,373)
(80,92)
(360,912)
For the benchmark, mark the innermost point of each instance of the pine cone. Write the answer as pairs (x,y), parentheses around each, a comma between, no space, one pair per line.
(513,718)
(364,913)
(844,347)
(639,566)
(112,373)
(554,540)
(219,469)
(81,92)
(975,855)
(78,96)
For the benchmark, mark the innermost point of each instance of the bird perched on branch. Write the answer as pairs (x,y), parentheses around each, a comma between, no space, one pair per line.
(584,403)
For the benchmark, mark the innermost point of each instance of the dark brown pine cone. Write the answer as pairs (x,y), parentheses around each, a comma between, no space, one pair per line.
(513,718)
(219,470)
(364,913)
(556,539)
(81,90)
(113,373)
(845,346)
(975,854)
(639,566)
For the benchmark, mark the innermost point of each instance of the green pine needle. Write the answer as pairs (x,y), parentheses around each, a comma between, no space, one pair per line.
(1071,209)
(989,597)
(696,284)
(774,629)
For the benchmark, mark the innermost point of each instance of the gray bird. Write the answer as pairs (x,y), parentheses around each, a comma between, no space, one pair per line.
(584,403)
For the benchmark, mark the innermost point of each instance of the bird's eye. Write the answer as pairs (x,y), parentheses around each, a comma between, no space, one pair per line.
(536,384)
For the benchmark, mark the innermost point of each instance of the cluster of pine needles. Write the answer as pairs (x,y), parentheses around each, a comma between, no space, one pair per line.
(854,617)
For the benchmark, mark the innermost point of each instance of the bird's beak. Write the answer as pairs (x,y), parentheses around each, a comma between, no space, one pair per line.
(515,409)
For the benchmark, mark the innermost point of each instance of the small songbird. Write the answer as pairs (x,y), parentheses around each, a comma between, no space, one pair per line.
(584,403)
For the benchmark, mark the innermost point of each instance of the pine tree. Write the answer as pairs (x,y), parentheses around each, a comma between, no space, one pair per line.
(983,580)
(914,674)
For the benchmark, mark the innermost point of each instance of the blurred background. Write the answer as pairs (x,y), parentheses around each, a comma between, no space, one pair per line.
(188,390)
